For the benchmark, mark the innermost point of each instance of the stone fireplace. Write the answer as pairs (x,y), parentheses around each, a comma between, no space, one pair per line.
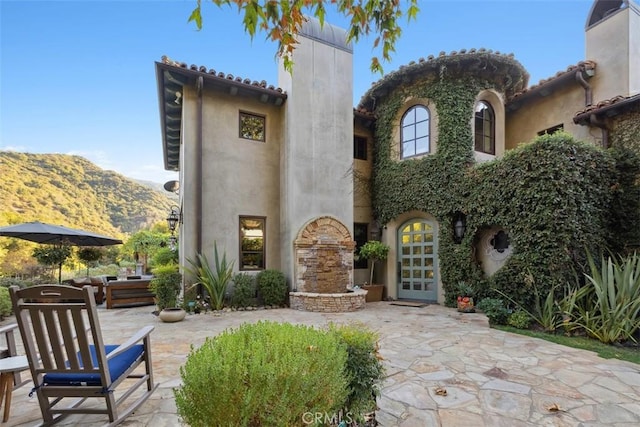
(324,268)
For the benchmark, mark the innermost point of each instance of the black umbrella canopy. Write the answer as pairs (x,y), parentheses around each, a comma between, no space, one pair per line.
(40,232)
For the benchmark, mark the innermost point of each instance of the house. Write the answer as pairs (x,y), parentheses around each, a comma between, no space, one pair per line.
(292,177)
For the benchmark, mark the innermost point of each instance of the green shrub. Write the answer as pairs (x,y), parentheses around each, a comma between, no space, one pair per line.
(5,303)
(166,285)
(165,256)
(364,368)
(272,287)
(7,282)
(244,290)
(495,310)
(519,319)
(263,374)
(546,312)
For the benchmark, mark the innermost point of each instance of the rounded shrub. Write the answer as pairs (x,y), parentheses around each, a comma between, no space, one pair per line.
(272,287)
(244,290)
(263,374)
(364,368)
(495,310)
(519,319)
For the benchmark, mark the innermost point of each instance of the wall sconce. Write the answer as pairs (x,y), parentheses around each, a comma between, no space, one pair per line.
(174,218)
(459,227)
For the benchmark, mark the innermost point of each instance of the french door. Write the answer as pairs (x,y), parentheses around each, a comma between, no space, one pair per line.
(417,260)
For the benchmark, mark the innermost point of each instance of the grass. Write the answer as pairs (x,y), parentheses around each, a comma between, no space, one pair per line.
(606,351)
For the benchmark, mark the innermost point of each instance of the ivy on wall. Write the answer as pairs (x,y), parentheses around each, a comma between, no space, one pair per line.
(553,195)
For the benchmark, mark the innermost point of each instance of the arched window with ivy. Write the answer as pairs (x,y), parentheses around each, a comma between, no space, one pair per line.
(414,131)
(485,128)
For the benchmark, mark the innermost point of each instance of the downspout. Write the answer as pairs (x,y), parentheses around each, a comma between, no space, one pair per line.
(593,119)
(198,207)
(588,96)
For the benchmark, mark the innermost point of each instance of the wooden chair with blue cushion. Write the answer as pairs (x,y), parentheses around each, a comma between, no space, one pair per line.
(61,332)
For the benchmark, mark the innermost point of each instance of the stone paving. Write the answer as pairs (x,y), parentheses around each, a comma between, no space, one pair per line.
(491,378)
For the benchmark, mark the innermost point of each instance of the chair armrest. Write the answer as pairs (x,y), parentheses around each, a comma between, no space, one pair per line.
(139,336)
(8,328)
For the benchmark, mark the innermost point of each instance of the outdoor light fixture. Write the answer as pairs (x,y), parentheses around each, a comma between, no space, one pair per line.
(459,227)
(174,218)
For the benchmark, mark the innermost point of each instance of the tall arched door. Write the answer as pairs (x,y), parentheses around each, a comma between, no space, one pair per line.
(417,260)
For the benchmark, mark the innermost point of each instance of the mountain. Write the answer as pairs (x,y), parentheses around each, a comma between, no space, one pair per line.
(70,190)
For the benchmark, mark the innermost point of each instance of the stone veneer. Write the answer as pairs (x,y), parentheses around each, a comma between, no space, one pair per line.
(324,257)
(328,303)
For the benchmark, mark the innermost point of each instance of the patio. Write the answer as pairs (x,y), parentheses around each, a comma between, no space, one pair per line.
(491,378)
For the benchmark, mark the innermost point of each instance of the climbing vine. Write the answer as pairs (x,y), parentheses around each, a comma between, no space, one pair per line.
(553,195)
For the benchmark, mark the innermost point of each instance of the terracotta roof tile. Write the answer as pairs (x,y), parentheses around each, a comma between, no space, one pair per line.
(583,65)
(202,69)
(608,107)
(605,103)
(512,69)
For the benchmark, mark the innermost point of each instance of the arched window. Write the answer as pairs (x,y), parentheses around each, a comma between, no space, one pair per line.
(415,131)
(485,128)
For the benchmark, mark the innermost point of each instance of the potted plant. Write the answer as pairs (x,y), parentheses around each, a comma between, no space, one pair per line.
(465,298)
(373,251)
(166,285)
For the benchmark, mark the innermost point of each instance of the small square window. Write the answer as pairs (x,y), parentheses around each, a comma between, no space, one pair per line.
(252,126)
(360,148)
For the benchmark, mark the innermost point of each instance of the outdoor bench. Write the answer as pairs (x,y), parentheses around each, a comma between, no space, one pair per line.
(129,292)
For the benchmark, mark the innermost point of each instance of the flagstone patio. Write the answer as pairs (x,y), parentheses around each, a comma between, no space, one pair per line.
(444,369)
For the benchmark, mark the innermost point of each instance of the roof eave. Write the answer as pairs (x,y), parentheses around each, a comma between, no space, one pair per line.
(610,110)
(171,78)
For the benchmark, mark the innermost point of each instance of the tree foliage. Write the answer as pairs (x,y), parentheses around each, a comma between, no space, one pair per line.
(71,191)
(282,20)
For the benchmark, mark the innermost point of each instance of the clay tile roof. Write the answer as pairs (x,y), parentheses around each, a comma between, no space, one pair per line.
(582,65)
(511,73)
(608,107)
(211,72)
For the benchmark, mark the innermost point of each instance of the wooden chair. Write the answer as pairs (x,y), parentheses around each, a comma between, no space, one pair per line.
(8,349)
(60,330)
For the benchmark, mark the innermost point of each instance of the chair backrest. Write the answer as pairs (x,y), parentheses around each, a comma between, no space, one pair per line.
(60,331)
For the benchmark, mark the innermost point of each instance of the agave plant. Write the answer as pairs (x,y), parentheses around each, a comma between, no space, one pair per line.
(608,305)
(214,280)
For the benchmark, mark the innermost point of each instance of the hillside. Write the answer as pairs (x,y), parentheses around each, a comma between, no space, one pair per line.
(70,190)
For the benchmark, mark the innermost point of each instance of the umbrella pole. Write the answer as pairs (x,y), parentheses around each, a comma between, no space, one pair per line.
(59,273)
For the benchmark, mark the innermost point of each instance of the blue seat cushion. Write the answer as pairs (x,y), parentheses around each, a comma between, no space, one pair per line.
(117,366)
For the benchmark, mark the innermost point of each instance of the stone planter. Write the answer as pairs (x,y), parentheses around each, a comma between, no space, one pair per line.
(374,293)
(170,315)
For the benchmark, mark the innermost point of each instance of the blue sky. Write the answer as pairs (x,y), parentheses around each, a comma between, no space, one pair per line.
(77,77)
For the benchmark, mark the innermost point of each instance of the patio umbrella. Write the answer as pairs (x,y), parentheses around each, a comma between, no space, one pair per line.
(40,232)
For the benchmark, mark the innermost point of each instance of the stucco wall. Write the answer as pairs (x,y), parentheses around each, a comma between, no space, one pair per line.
(523,124)
(317,153)
(614,44)
(239,176)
